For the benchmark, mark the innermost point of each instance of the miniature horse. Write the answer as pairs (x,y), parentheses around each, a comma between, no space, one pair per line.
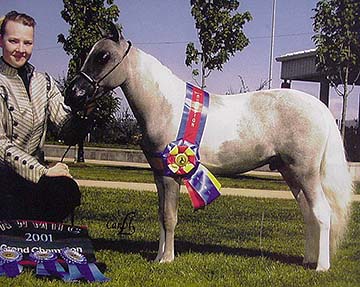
(290,130)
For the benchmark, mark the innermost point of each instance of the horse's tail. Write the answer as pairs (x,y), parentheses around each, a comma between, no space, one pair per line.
(337,184)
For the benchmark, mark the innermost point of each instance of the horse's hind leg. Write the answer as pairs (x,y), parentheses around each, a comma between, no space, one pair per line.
(312,235)
(168,194)
(311,226)
(322,212)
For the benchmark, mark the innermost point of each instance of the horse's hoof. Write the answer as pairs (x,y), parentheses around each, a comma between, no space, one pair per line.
(163,259)
(166,259)
(320,268)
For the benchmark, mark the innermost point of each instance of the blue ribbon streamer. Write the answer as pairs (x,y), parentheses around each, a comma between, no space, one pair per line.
(12,269)
(9,263)
(79,268)
(89,271)
(47,265)
(201,182)
(52,268)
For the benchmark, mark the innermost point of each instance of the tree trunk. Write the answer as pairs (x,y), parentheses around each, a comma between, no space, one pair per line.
(345,102)
(202,72)
(80,155)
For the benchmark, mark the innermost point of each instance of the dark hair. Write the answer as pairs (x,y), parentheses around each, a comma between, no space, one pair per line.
(17,17)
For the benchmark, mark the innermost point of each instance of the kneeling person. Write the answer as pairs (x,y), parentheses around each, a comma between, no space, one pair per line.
(28,188)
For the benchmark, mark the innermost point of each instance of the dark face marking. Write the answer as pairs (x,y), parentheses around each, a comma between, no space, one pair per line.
(104,56)
(96,77)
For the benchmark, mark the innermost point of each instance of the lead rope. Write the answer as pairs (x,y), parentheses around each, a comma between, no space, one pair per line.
(63,157)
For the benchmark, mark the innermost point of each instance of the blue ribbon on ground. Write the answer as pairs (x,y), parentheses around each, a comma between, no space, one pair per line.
(79,268)
(9,262)
(46,264)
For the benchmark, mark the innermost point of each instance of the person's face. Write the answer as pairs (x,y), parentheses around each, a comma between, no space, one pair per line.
(17,43)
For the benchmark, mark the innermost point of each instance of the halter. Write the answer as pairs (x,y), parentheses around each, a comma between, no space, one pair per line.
(96,84)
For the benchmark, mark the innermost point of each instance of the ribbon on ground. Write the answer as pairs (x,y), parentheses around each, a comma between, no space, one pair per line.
(79,268)
(181,157)
(9,262)
(47,265)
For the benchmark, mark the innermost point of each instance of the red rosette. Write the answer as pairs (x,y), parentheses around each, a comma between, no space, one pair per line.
(180,158)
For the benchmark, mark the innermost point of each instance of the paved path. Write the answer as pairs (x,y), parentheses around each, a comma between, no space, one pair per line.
(284,194)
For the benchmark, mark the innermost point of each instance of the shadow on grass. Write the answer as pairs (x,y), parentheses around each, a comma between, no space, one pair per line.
(148,250)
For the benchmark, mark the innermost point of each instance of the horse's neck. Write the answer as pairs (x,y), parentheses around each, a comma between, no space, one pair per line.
(155,96)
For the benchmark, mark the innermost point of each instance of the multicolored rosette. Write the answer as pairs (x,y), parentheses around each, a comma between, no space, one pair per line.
(46,264)
(79,268)
(180,158)
(9,262)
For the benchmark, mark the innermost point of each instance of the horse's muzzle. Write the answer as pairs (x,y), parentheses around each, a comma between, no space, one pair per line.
(79,93)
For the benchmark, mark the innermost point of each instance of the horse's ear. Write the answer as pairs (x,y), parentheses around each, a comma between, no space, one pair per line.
(103,33)
(115,33)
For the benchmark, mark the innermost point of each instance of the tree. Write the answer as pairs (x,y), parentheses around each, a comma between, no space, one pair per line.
(85,17)
(244,88)
(220,35)
(337,41)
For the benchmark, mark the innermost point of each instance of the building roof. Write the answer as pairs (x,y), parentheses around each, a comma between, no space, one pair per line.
(300,66)
(296,55)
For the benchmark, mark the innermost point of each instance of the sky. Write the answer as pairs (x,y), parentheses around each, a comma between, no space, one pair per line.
(163,28)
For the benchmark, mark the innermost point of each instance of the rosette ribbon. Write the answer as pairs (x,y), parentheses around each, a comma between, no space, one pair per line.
(79,268)
(181,157)
(46,264)
(9,262)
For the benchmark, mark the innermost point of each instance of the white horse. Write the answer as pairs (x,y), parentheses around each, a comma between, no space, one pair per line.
(290,130)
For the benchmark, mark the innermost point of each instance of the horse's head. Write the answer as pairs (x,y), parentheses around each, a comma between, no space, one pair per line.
(98,74)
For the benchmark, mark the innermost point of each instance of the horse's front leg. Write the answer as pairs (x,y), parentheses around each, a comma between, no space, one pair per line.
(168,193)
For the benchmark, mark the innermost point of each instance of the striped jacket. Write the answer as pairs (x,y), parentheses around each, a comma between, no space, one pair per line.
(24,118)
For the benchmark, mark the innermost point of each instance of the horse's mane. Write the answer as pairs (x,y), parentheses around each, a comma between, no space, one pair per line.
(152,67)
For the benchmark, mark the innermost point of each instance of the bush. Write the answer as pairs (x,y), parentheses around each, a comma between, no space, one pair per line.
(123,130)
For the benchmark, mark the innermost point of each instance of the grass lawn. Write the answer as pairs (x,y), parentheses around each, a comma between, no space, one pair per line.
(134,174)
(217,246)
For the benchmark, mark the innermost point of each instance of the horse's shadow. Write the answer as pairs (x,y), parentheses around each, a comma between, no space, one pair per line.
(148,249)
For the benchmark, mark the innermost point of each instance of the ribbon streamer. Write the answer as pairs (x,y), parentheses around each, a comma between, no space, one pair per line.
(79,267)
(181,157)
(203,187)
(46,264)
(9,262)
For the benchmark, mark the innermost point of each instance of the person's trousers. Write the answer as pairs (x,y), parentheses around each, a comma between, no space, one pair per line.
(51,199)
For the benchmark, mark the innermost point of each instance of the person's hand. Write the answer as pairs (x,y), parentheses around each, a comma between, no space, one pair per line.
(59,169)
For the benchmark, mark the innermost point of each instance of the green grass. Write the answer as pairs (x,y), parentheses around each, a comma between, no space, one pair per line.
(217,246)
(135,174)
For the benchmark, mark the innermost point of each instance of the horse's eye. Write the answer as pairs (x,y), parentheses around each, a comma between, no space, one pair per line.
(103,57)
